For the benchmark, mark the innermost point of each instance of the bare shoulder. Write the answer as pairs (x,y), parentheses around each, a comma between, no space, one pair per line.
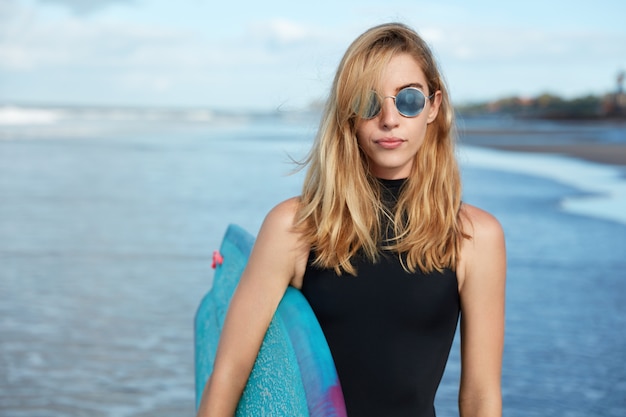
(279,221)
(281,241)
(483,252)
(281,216)
(479,224)
(285,210)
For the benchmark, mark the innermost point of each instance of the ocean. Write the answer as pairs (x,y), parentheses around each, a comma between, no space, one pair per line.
(108,222)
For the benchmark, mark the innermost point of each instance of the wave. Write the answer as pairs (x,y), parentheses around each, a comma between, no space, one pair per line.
(18,115)
(12,115)
(604,185)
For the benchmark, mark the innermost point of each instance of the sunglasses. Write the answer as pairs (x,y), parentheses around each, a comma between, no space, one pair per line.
(409,101)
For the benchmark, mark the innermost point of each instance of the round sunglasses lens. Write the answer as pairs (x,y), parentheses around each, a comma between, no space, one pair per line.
(373,107)
(410,102)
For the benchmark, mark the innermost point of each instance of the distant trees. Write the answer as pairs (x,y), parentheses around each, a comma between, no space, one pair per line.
(544,106)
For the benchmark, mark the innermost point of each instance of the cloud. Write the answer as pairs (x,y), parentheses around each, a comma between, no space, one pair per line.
(269,61)
(140,63)
(31,42)
(513,45)
(83,7)
(62,58)
(494,62)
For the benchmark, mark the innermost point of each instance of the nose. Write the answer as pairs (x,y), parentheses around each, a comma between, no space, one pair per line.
(389,113)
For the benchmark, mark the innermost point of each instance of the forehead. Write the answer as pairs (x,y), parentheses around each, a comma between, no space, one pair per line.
(402,70)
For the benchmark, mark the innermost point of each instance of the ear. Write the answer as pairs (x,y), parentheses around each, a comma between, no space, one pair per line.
(433,109)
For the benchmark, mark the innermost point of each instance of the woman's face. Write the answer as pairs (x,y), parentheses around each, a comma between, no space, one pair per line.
(390,141)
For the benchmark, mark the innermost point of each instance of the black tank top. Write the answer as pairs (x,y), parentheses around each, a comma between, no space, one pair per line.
(389,331)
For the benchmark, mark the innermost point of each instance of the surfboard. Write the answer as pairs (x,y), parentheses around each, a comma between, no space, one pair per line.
(294,373)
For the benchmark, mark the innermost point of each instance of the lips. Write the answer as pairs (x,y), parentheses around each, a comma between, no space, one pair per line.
(389,143)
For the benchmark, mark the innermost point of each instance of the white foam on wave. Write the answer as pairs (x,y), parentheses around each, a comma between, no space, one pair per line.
(604,185)
(12,115)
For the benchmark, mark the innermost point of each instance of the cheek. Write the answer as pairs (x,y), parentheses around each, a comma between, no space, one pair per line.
(419,128)
(362,133)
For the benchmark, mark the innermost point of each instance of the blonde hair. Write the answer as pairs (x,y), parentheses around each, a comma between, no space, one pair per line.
(341,210)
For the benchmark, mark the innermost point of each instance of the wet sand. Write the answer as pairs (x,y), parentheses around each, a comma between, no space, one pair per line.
(600,142)
(611,154)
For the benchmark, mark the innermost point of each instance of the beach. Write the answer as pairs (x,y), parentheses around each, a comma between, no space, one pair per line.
(107,230)
(604,144)
(603,153)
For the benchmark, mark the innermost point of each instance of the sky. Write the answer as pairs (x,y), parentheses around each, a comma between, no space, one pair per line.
(276,54)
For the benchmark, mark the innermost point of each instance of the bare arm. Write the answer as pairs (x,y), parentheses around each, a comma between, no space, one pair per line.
(271,267)
(482,290)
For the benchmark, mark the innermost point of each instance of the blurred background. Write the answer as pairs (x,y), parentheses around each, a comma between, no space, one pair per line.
(253,56)
(133,132)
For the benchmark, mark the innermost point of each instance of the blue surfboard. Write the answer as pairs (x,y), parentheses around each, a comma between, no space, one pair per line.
(294,373)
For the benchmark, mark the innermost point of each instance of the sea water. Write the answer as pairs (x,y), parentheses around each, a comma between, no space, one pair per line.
(107,230)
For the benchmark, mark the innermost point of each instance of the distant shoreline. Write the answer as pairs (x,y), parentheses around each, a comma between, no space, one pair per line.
(496,137)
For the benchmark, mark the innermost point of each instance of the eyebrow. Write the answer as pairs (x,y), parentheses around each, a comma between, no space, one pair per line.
(416,85)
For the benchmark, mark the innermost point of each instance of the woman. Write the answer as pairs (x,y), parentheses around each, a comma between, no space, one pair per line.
(381,245)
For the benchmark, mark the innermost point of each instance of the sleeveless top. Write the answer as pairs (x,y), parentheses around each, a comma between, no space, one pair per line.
(389,331)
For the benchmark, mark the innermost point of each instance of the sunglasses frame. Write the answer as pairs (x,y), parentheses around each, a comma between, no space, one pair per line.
(382,99)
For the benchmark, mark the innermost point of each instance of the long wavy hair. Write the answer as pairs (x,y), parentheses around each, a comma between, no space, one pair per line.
(341,212)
